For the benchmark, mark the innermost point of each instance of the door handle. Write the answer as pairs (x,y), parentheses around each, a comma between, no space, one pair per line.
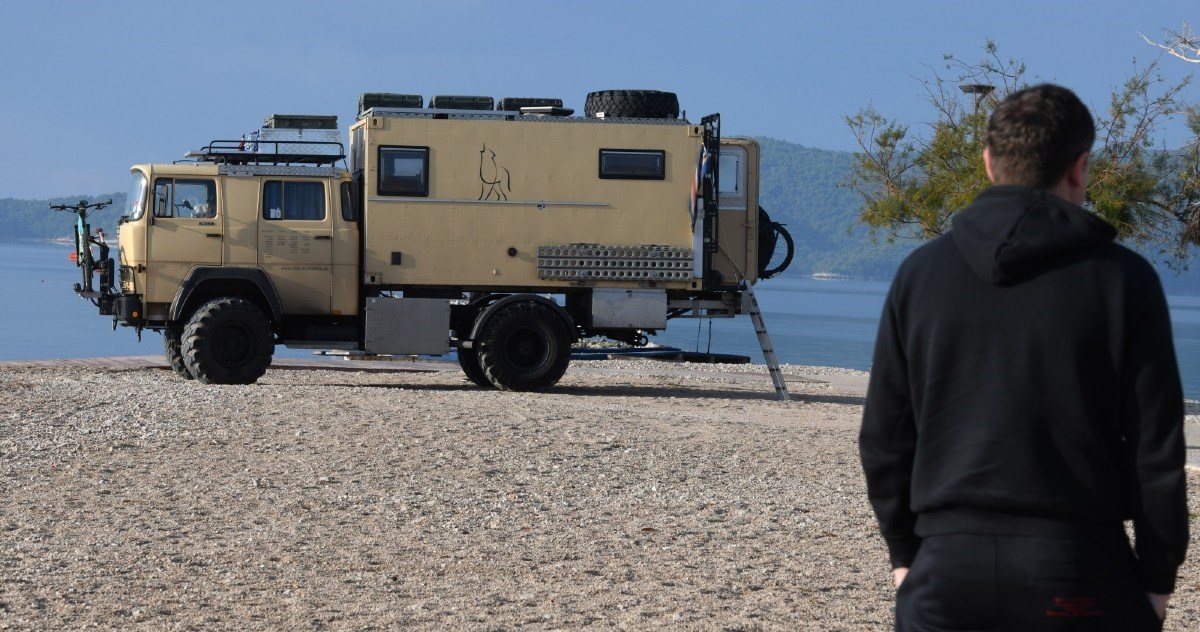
(322,237)
(212,234)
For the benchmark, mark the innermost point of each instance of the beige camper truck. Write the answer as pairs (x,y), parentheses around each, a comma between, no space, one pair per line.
(503,232)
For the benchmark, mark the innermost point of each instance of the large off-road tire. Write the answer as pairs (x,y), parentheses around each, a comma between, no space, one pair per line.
(524,346)
(468,359)
(632,104)
(228,341)
(772,260)
(173,349)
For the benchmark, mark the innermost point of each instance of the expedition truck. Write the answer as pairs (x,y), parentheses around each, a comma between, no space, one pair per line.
(503,230)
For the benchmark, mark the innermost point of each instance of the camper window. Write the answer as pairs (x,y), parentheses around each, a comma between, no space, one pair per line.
(633,164)
(404,171)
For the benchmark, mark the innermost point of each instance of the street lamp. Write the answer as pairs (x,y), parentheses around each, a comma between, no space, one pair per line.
(977,90)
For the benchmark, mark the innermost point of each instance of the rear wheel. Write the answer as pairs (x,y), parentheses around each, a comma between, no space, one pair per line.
(173,349)
(468,359)
(524,346)
(228,341)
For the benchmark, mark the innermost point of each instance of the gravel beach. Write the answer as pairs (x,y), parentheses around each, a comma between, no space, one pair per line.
(637,494)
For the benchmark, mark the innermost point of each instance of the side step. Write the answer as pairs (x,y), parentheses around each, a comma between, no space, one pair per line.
(320,344)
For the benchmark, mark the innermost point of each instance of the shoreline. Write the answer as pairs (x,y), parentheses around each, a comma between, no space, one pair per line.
(444,363)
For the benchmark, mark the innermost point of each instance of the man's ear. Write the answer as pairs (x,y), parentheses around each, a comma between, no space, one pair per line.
(987,164)
(1072,186)
(1077,175)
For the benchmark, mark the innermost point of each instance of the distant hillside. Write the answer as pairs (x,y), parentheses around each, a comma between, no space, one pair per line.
(799,187)
(33,219)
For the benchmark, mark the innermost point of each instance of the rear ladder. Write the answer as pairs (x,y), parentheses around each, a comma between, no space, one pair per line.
(764,341)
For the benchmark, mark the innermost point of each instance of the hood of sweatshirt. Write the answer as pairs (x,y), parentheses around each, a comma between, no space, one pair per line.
(1010,233)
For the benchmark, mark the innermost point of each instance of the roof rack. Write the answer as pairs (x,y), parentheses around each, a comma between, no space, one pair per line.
(269,152)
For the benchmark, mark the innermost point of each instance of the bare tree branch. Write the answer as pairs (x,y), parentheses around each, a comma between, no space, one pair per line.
(1184,43)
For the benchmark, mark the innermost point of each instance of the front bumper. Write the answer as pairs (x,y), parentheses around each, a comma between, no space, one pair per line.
(125,309)
(128,309)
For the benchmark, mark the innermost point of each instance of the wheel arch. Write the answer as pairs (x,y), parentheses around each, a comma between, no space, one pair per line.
(204,284)
(496,305)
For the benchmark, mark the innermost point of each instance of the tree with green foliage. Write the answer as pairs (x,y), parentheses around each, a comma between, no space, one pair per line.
(910,184)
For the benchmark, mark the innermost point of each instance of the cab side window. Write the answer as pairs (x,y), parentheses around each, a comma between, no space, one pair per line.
(184,197)
(284,199)
(349,210)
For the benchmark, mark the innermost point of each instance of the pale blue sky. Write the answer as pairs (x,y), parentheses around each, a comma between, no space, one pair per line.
(90,88)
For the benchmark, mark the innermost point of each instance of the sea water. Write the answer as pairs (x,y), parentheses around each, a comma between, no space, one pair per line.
(818,322)
(833,322)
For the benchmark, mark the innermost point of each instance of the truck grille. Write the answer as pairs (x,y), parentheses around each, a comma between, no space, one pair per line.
(596,261)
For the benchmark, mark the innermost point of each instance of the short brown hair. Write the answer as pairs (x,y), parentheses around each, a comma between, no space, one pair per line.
(1035,134)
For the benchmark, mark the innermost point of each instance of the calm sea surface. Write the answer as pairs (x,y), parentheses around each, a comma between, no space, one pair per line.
(811,322)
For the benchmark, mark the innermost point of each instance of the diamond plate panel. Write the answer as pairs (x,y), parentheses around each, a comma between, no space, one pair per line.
(300,141)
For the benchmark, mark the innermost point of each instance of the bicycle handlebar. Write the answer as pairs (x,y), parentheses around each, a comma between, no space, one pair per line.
(81,205)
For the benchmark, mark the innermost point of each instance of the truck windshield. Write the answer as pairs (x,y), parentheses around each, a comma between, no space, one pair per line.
(135,201)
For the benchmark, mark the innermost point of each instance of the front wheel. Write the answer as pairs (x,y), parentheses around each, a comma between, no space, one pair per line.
(228,341)
(524,346)
(173,349)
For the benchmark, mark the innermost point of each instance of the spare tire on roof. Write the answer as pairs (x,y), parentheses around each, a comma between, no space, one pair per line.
(632,104)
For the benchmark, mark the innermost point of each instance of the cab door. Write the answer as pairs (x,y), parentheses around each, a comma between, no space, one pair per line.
(295,243)
(184,231)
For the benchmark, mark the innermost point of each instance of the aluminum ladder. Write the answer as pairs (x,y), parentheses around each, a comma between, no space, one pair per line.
(764,341)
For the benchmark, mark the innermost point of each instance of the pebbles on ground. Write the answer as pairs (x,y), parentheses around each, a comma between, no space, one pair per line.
(635,494)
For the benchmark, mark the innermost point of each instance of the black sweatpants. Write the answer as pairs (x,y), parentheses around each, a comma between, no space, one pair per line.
(1026,583)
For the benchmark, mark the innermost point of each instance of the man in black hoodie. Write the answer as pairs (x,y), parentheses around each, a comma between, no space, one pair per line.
(1025,400)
